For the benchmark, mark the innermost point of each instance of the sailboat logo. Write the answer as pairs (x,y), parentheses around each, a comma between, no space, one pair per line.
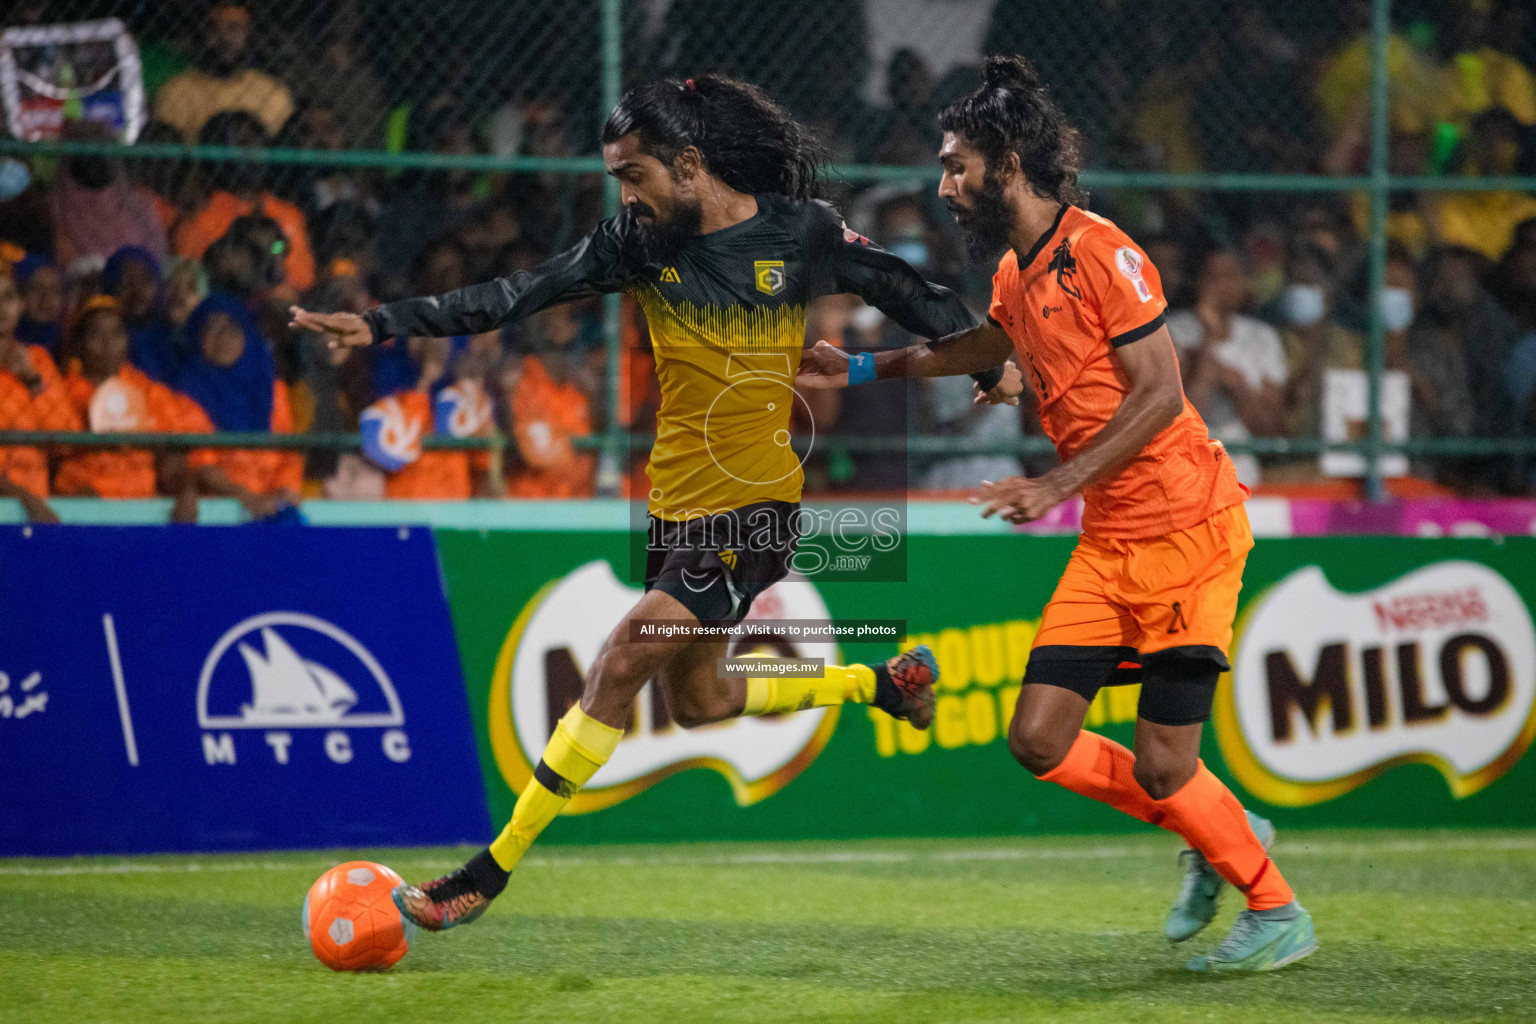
(293,671)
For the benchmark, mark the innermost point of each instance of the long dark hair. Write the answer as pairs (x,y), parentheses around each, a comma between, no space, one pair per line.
(1013,112)
(746,139)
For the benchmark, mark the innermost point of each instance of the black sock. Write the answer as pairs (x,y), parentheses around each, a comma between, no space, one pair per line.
(488,876)
(887,697)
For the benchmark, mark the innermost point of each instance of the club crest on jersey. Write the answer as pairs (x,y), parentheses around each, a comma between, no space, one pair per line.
(1128,261)
(669,276)
(770,276)
(1064,265)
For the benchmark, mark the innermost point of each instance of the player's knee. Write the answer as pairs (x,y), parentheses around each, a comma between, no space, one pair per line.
(623,667)
(1034,747)
(1162,776)
(692,710)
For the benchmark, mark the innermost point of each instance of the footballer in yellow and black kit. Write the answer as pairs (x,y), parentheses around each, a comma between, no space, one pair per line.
(726,312)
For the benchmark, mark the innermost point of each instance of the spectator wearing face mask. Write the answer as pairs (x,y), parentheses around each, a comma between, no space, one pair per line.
(241,193)
(132,277)
(1234,365)
(42,302)
(223,80)
(1314,340)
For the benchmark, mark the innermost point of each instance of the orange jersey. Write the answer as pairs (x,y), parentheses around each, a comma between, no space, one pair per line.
(545,416)
(127,402)
(426,475)
(1084,290)
(262,470)
(49,409)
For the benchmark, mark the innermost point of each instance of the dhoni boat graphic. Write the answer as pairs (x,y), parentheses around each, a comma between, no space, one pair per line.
(284,685)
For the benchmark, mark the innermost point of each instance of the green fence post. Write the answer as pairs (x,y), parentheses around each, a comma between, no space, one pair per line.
(610,470)
(1381,28)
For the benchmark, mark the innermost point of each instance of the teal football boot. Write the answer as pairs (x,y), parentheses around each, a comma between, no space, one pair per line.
(1262,940)
(1195,906)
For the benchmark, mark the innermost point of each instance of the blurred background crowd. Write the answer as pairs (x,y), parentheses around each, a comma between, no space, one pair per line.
(151,295)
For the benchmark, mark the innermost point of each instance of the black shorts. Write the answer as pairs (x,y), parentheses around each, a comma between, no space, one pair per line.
(717,565)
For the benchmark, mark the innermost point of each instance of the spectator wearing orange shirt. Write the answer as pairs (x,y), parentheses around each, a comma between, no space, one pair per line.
(394,426)
(231,377)
(110,395)
(31,398)
(241,194)
(547,407)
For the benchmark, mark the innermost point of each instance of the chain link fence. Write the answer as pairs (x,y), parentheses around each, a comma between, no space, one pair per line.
(402,146)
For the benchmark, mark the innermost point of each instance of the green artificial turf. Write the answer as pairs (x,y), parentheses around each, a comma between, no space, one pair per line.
(1414,926)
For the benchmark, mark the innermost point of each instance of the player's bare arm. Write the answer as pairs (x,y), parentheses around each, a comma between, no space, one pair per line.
(1155,399)
(972,351)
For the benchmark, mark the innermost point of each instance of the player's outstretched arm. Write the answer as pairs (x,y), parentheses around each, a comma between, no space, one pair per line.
(593,266)
(1155,400)
(970,351)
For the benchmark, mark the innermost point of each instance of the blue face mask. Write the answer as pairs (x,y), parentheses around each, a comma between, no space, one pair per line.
(913,251)
(1304,304)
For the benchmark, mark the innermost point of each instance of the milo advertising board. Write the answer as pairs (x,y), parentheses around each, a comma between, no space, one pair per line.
(1375,681)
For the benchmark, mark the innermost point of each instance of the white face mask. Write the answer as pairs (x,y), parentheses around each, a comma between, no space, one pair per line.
(867,318)
(1304,304)
(1396,308)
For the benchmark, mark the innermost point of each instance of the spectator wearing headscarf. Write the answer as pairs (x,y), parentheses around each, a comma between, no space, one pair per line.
(132,277)
(231,376)
(42,298)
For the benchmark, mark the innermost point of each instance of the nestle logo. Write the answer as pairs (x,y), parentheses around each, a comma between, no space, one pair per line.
(1426,611)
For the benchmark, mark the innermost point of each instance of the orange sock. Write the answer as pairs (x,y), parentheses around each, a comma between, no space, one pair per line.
(1207,814)
(1100,769)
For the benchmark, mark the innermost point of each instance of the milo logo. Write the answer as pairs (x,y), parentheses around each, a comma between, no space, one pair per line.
(1329,690)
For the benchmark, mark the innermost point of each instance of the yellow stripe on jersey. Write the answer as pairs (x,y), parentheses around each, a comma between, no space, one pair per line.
(727,391)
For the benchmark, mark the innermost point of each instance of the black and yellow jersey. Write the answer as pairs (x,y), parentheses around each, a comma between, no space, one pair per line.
(727,324)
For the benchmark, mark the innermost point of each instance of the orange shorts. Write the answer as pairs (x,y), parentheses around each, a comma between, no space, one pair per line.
(1133,598)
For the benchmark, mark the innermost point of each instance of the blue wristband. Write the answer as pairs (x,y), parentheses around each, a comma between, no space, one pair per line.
(861,368)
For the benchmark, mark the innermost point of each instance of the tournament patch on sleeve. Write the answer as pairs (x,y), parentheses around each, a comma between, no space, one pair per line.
(1128,261)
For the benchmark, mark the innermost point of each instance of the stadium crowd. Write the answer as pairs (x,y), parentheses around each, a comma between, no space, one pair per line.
(151,295)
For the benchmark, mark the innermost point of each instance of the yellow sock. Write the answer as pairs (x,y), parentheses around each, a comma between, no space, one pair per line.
(580,746)
(838,684)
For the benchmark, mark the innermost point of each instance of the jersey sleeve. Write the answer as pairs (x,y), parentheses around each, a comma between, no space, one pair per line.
(1124,285)
(1003,282)
(596,265)
(887,282)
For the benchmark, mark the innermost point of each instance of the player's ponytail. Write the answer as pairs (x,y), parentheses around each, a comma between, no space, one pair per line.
(1000,72)
(1014,112)
(746,139)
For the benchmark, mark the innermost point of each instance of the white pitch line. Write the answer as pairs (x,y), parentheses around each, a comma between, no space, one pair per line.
(1302,848)
(122,689)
